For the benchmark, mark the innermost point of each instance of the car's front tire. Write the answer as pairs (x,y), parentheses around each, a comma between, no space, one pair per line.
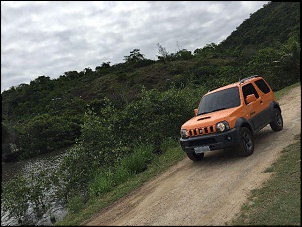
(246,142)
(195,157)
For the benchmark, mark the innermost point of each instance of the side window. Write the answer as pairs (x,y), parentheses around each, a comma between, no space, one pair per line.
(248,90)
(262,86)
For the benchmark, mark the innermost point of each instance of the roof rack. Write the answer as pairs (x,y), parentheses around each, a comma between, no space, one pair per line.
(244,79)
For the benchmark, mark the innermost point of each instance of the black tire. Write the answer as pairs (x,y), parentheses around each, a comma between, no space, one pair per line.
(277,123)
(195,157)
(246,143)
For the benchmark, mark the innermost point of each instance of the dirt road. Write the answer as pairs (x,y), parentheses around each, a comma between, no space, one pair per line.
(209,192)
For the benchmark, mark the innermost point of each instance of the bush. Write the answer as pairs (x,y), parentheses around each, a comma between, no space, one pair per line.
(75,203)
(137,161)
(102,182)
(121,174)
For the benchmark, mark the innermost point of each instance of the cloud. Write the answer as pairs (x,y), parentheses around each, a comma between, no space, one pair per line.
(50,38)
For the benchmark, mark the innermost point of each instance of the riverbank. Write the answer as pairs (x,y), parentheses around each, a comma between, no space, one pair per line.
(11,169)
(26,168)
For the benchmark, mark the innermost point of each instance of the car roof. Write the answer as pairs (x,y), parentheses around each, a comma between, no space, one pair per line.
(236,84)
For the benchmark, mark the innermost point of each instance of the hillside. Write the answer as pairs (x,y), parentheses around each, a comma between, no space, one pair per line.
(267,26)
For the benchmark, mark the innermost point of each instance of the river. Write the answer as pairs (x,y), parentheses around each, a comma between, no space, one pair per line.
(9,170)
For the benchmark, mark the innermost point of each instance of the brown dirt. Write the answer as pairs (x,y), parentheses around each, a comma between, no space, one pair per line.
(210,192)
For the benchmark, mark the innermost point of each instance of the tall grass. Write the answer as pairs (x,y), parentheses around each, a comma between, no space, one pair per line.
(134,163)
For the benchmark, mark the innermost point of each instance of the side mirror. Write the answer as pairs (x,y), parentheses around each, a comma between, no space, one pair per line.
(195,111)
(250,98)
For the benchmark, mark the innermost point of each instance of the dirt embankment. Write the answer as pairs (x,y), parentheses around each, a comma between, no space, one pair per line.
(209,192)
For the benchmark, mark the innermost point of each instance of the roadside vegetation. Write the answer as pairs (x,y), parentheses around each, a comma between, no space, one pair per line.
(80,212)
(278,201)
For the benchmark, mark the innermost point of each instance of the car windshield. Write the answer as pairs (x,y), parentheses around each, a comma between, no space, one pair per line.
(219,100)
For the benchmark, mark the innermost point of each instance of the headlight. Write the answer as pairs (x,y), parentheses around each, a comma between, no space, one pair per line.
(222,126)
(183,133)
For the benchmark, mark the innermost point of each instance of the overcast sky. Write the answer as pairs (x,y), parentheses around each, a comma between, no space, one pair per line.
(49,38)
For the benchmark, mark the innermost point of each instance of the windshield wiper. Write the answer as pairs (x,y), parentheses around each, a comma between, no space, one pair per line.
(203,113)
(223,108)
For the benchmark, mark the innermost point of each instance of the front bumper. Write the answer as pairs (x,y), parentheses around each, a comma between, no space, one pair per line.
(215,141)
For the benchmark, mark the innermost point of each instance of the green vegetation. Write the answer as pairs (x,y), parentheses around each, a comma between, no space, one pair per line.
(171,155)
(119,119)
(278,202)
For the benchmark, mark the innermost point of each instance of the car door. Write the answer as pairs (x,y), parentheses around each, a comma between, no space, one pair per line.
(255,108)
(266,94)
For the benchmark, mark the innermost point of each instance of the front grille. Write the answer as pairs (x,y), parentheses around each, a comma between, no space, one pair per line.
(202,131)
(202,142)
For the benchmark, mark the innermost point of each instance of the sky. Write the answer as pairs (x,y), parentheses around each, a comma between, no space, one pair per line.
(41,38)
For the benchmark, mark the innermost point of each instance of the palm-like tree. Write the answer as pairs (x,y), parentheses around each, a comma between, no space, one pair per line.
(290,61)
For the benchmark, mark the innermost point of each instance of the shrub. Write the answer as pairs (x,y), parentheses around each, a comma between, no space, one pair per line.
(101,183)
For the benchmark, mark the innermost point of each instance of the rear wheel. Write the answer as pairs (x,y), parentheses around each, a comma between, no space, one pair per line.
(246,142)
(277,123)
(195,157)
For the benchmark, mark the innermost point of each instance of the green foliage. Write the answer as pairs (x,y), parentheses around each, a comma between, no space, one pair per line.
(208,51)
(78,165)
(14,198)
(102,182)
(121,174)
(45,133)
(184,54)
(137,161)
(275,22)
(9,138)
(134,56)
(109,136)
(133,163)
(24,196)
(163,53)
(75,203)
(168,143)
(156,115)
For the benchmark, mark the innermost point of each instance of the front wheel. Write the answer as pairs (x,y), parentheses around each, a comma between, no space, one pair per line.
(277,123)
(195,157)
(246,142)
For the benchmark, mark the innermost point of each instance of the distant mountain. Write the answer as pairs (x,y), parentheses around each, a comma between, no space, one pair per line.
(275,22)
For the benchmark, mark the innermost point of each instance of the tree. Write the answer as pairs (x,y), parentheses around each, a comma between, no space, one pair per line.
(134,56)
(290,61)
(163,53)
(184,54)
(208,51)
(106,65)
(87,71)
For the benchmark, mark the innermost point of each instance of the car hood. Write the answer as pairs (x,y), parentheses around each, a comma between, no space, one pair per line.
(207,119)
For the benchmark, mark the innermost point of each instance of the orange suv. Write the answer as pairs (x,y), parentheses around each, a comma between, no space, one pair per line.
(229,116)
